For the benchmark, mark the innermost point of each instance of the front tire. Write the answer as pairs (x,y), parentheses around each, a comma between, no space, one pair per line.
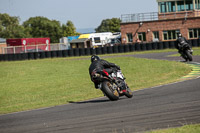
(128,93)
(189,56)
(109,91)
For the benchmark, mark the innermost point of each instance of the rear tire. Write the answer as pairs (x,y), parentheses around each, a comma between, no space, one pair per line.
(108,90)
(189,56)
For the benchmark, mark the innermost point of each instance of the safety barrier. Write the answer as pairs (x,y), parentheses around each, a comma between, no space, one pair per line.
(123,48)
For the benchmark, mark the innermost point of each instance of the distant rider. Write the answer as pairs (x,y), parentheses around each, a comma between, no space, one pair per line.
(98,65)
(180,42)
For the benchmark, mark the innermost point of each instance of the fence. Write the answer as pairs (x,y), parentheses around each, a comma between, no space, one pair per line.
(90,51)
(140,17)
(152,16)
(33,48)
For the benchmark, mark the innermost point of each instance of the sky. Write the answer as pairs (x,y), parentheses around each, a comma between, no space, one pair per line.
(83,13)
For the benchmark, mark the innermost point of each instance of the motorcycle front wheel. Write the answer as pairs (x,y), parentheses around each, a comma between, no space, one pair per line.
(189,56)
(109,91)
(128,93)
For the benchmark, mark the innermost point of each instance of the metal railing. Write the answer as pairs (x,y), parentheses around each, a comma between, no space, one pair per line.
(152,16)
(33,48)
(139,17)
(177,15)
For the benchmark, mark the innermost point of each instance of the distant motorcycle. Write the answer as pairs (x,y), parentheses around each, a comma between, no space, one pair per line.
(109,84)
(186,52)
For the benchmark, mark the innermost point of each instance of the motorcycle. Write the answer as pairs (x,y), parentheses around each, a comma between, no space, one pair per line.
(113,85)
(186,52)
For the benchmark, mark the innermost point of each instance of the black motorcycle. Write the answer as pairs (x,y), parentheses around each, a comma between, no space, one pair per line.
(186,52)
(113,85)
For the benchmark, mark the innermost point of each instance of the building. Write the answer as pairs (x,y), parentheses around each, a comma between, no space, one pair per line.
(83,41)
(65,42)
(92,40)
(2,45)
(20,45)
(173,17)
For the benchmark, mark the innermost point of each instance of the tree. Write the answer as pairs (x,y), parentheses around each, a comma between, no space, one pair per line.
(10,28)
(43,27)
(109,25)
(35,27)
(69,29)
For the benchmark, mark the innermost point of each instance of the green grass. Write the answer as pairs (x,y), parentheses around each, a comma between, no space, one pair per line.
(33,84)
(144,52)
(184,129)
(195,53)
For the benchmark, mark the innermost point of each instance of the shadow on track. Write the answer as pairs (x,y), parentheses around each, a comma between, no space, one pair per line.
(97,101)
(91,101)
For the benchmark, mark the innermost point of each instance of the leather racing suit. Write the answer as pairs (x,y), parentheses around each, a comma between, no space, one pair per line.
(99,66)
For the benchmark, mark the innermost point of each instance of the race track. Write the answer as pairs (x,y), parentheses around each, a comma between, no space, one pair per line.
(164,106)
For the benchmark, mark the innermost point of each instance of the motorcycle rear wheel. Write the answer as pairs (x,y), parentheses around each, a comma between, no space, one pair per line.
(109,91)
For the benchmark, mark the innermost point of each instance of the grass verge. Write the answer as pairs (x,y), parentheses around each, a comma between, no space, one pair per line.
(195,53)
(184,129)
(34,84)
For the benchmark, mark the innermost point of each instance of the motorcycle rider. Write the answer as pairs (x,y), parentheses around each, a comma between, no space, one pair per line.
(180,42)
(98,65)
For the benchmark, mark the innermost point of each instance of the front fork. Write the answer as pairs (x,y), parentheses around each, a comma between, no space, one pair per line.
(191,51)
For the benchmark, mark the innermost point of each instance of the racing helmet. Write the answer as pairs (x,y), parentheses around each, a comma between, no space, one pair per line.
(179,35)
(94,58)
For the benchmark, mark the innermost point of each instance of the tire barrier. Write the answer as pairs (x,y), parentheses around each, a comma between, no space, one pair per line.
(195,43)
(121,48)
(53,54)
(148,46)
(18,57)
(143,47)
(24,56)
(1,57)
(30,56)
(154,45)
(172,44)
(47,54)
(137,47)
(104,50)
(98,51)
(126,48)
(165,45)
(76,52)
(90,51)
(10,57)
(71,52)
(42,55)
(132,47)
(36,55)
(190,42)
(115,49)
(5,57)
(160,45)
(110,50)
(65,53)
(87,51)
(81,51)
(59,53)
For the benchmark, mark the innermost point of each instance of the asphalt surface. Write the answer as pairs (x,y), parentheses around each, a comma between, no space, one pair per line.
(164,106)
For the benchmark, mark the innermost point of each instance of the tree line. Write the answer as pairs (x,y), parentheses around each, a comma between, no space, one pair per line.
(36,27)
